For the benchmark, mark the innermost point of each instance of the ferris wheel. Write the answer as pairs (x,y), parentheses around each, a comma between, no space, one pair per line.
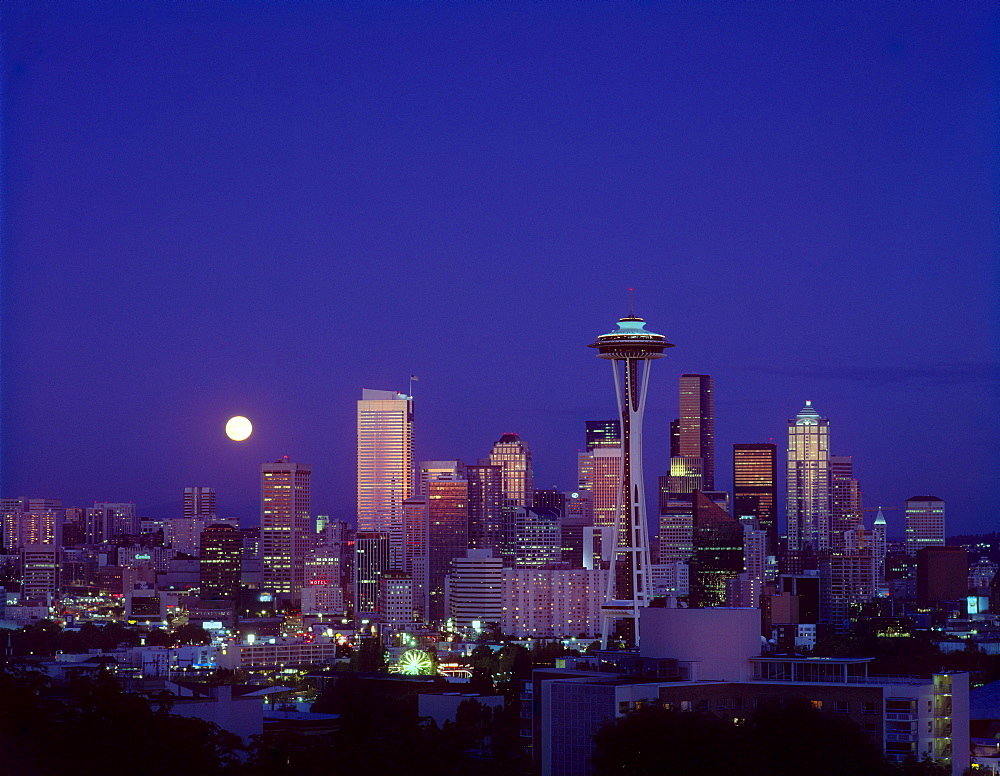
(415,661)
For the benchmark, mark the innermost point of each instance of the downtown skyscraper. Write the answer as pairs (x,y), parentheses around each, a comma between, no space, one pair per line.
(924,523)
(518,476)
(199,502)
(695,428)
(755,487)
(285,526)
(845,499)
(385,466)
(807,497)
(599,469)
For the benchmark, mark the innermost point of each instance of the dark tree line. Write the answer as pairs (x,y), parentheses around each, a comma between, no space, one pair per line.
(45,638)
(93,728)
(381,732)
(795,740)
(916,655)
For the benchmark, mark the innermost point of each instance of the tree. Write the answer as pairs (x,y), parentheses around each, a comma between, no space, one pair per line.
(644,741)
(159,638)
(798,738)
(192,633)
(544,653)
(370,657)
(146,736)
(791,740)
(516,661)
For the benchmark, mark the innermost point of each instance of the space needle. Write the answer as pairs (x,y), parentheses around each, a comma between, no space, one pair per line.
(629,349)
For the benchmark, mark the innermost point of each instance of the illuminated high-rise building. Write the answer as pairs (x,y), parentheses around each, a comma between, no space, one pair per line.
(755,487)
(199,502)
(538,537)
(718,552)
(696,429)
(603,433)
(395,600)
(41,572)
(880,546)
(848,577)
(629,349)
(415,555)
(285,526)
(924,523)
(447,534)
(475,590)
(550,498)
(385,465)
(486,512)
(371,559)
(430,470)
(676,520)
(25,521)
(687,474)
(807,496)
(32,527)
(107,520)
(220,564)
(512,454)
(845,499)
(600,474)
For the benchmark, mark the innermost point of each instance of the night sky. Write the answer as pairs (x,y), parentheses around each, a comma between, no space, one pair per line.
(220,208)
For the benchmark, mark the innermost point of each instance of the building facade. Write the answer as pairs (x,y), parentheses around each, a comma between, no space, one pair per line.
(486,506)
(599,474)
(718,552)
(385,465)
(513,457)
(553,603)
(924,523)
(199,502)
(696,424)
(755,487)
(845,499)
(371,559)
(285,526)
(220,564)
(447,535)
(807,496)
(475,590)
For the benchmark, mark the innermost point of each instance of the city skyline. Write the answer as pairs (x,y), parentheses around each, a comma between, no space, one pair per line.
(816,233)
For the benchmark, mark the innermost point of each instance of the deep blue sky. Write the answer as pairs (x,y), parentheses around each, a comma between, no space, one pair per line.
(214,208)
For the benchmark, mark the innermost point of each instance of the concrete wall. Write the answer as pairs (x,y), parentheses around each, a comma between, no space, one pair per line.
(242,716)
(719,640)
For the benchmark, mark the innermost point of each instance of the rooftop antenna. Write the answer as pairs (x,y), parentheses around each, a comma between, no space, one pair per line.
(631,310)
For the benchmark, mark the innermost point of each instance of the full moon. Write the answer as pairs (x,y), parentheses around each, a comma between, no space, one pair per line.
(238,428)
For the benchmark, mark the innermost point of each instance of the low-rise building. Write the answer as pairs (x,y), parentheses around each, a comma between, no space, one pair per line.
(716,667)
(278,652)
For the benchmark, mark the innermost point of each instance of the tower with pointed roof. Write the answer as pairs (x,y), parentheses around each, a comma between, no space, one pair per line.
(807,502)
(629,349)
(879,540)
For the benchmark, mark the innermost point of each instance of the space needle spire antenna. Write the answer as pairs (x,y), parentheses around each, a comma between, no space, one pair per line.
(630,349)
